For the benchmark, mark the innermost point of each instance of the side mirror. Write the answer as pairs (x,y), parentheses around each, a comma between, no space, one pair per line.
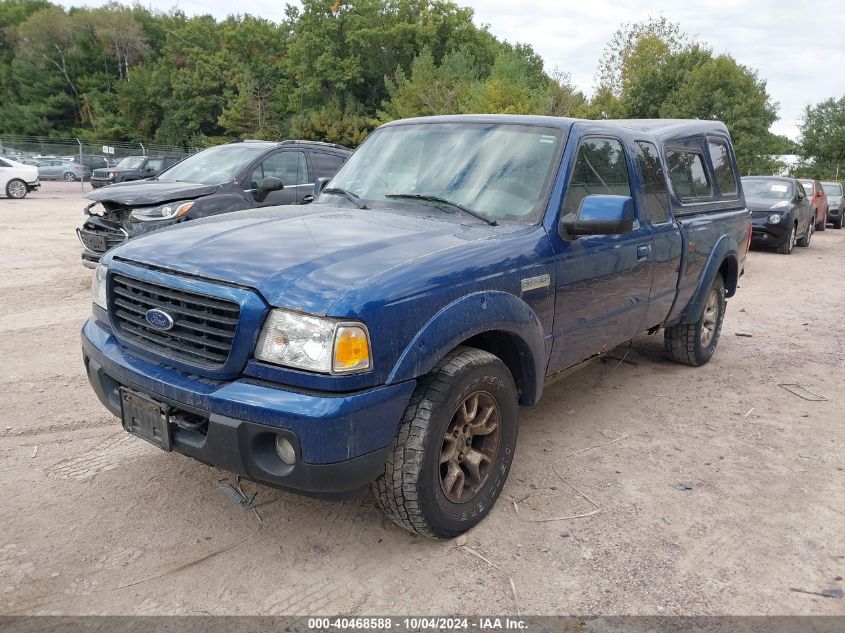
(601,214)
(149,169)
(320,184)
(268,184)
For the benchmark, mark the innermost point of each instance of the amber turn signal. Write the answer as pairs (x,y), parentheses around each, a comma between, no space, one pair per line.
(351,349)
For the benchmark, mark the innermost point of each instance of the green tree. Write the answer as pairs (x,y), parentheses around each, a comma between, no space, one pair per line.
(823,139)
(431,88)
(725,90)
(634,49)
(48,40)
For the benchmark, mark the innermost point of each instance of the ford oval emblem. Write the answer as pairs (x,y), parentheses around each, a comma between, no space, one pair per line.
(159,319)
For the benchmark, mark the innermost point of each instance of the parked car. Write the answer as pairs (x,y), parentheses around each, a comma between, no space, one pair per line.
(388,332)
(836,204)
(818,201)
(17,179)
(781,215)
(132,168)
(230,177)
(58,169)
(91,161)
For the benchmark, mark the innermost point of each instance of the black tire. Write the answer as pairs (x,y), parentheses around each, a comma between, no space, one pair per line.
(417,490)
(789,244)
(70,177)
(805,241)
(837,223)
(16,188)
(821,226)
(686,343)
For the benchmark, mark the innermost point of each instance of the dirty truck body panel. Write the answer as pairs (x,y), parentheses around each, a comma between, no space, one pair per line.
(422,280)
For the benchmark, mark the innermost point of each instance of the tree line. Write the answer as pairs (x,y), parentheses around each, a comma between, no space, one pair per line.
(334,70)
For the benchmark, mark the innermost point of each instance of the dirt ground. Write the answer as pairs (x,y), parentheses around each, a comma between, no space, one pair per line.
(717,490)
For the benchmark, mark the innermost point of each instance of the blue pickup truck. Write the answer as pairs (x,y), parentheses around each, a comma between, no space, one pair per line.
(388,333)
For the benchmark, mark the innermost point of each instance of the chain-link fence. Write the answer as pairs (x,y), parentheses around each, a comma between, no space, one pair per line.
(94,154)
(34,147)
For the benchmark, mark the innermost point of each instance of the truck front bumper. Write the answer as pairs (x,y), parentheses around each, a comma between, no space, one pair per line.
(340,440)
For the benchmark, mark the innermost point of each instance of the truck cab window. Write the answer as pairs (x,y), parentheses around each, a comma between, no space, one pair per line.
(689,177)
(654,182)
(721,159)
(600,168)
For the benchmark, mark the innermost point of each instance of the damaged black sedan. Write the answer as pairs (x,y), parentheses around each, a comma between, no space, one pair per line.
(232,177)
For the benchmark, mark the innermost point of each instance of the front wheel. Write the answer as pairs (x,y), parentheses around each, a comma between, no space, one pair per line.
(16,188)
(837,223)
(789,244)
(695,343)
(453,449)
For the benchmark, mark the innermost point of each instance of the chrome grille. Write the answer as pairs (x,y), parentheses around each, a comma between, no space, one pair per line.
(203,329)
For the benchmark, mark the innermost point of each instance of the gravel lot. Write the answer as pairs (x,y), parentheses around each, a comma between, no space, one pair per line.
(717,490)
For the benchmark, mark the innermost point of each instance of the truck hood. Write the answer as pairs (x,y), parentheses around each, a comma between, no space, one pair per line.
(147,192)
(303,258)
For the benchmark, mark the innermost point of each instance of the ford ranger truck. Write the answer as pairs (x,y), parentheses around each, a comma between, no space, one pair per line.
(388,333)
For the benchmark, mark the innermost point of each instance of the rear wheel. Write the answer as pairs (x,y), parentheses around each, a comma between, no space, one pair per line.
(453,449)
(70,177)
(16,188)
(789,244)
(805,241)
(695,343)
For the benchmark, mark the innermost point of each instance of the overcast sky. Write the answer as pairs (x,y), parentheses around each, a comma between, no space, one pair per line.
(797,47)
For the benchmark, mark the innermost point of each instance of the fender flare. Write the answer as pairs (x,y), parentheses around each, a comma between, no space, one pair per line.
(726,249)
(468,316)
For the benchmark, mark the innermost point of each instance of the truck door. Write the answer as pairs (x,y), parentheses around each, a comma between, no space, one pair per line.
(668,244)
(289,167)
(602,281)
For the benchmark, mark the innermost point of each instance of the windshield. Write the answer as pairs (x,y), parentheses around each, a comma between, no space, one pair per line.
(213,166)
(767,189)
(832,188)
(131,162)
(501,171)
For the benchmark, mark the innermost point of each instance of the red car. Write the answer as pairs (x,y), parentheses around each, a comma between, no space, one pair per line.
(818,201)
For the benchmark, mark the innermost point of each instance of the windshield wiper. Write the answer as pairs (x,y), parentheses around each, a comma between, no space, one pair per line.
(438,199)
(354,198)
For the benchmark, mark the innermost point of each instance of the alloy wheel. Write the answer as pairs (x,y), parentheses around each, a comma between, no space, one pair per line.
(710,318)
(469,447)
(17,189)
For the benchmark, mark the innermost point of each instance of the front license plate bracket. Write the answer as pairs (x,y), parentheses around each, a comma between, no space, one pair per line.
(146,418)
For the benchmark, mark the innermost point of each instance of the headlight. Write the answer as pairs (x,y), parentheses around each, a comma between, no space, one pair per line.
(111,174)
(314,343)
(163,212)
(98,286)
(774,218)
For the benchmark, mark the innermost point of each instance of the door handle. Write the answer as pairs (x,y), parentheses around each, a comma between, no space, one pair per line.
(308,198)
(643,251)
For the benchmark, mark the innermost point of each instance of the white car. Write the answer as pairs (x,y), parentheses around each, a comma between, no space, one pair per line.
(17,179)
